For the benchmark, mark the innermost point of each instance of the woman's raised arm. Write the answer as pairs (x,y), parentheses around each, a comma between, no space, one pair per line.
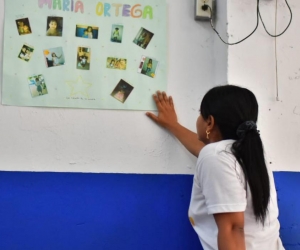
(167,118)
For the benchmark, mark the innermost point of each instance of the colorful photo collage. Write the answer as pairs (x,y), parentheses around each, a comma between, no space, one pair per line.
(55,56)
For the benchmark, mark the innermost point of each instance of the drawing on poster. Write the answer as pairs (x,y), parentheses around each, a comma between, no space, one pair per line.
(87,53)
(79,87)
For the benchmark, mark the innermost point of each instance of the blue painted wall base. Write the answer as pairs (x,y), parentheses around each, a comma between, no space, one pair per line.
(114,211)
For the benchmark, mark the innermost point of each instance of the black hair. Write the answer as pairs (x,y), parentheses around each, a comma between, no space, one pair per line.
(53,19)
(231,106)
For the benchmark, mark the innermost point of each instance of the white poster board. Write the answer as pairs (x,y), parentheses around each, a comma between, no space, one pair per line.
(84,54)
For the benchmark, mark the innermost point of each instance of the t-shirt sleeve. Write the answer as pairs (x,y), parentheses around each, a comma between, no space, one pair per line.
(222,185)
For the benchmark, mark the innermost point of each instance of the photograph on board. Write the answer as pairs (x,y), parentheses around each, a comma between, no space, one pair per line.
(143,38)
(83,58)
(26,52)
(54,57)
(148,66)
(23,26)
(116,63)
(116,33)
(86,31)
(37,85)
(54,26)
(122,91)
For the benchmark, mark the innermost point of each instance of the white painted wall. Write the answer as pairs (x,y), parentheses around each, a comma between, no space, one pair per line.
(252,64)
(220,48)
(77,140)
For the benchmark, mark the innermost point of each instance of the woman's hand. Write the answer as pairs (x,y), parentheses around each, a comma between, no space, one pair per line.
(167,118)
(166,113)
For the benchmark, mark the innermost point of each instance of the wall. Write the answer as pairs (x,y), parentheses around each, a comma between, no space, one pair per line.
(42,210)
(95,211)
(74,140)
(253,65)
(114,211)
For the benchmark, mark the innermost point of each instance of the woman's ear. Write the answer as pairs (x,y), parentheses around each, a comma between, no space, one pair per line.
(214,129)
(210,122)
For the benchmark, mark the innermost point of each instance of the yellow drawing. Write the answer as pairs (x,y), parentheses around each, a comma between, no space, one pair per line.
(79,86)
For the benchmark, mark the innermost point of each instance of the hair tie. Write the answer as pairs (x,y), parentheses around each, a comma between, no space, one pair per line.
(245,127)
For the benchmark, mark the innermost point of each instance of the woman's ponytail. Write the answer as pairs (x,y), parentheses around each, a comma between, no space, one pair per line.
(248,150)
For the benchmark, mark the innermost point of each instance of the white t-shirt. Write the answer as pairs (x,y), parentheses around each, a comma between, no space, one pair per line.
(219,187)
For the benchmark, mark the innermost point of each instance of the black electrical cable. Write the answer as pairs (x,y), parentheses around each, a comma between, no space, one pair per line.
(285,28)
(257,22)
(258,16)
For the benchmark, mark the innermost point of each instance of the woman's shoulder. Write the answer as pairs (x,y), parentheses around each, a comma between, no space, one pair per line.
(217,153)
(217,148)
(217,159)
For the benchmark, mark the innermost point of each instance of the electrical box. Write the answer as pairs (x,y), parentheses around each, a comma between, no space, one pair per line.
(204,9)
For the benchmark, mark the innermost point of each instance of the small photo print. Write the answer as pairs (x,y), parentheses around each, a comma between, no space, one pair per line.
(37,85)
(116,33)
(23,26)
(116,63)
(86,31)
(54,26)
(148,66)
(143,38)
(54,57)
(122,91)
(26,52)
(83,58)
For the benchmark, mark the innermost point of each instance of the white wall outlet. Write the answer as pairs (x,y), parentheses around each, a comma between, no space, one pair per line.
(201,13)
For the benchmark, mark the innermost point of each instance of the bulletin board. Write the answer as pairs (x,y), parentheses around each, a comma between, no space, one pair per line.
(84,54)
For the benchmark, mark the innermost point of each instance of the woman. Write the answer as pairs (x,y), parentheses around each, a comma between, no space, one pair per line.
(233,202)
(149,66)
(38,85)
(55,59)
(90,32)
